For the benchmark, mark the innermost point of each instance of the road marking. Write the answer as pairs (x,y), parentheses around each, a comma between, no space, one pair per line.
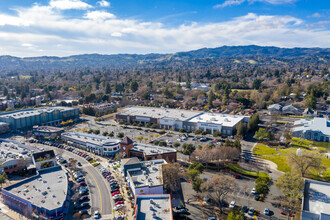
(243,198)
(97,185)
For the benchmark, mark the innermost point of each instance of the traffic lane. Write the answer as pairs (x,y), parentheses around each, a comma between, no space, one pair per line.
(100,191)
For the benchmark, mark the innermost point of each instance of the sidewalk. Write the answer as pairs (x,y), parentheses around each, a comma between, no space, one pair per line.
(128,211)
(8,214)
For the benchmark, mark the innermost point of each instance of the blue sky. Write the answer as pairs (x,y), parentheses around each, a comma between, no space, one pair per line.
(67,27)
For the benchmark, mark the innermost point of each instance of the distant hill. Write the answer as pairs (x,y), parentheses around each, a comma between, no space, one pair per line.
(10,64)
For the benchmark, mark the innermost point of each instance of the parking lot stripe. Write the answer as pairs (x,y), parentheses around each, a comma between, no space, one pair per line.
(98,188)
(243,197)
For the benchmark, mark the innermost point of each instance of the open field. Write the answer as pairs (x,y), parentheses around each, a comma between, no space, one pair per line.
(280,156)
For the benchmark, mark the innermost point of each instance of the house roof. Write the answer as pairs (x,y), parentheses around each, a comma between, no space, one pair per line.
(275,107)
(126,141)
(130,161)
(316,124)
(309,111)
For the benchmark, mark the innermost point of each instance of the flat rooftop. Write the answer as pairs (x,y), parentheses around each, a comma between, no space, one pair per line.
(153,207)
(151,150)
(158,113)
(47,129)
(218,118)
(317,197)
(32,112)
(90,138)
(149,175)
(48,190)
(11,150)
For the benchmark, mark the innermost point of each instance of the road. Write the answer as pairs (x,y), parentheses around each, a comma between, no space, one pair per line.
(99,188)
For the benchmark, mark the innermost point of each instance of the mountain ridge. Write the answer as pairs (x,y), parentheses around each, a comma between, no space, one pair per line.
(50,63)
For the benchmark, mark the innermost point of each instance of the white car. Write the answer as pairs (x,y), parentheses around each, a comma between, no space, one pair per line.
(118,207)
(232,204)
(253,191)
(97,215)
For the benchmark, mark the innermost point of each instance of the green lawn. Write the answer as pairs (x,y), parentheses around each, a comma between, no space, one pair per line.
(280,160)
(280,157)
(238,169)
(263,150)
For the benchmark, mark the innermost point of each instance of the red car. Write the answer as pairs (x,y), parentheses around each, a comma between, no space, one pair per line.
(119,202)
(110,178)
(82,184)
(286,211)
(105,175)
(115,193)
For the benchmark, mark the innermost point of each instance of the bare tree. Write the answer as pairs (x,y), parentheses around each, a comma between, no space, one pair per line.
(305,162)
(218,187)
(171,176)
(73,163)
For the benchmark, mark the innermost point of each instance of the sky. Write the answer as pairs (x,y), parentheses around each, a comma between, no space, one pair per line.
(68,27)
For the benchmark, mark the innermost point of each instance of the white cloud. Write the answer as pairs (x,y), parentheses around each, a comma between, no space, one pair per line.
(238,2)
(99,15)
(316,15)
(27,45)
(116,34)
(69,4)
(103,3)
(50,32)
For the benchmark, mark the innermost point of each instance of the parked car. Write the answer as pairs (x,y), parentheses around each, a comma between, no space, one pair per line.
(97,215)
(118,207)
(245,209)
(83,198)
(203,139)
(117,196)
(81,179)
(119,202)
(251,211)
(232,204)
(81,184)
(83,190)
(114,189)
(115,193)
(82,205)
(253,191)
(267,211)
(79,164)
(286,211)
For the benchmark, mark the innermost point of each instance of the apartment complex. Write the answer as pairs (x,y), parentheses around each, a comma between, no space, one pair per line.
(97,144)
(27,118)
(176,119)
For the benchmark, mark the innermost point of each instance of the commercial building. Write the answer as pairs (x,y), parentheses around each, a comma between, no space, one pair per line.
(316,202)
(44,195)
(144,177)
(153,207)
(149,152)
(27,118)
(99,145)
(47,132)
(15,156)
(4,128)
(176,119)
(317,129)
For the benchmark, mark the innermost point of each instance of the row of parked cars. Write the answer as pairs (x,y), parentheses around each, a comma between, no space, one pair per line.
(82,205)
(115,189)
